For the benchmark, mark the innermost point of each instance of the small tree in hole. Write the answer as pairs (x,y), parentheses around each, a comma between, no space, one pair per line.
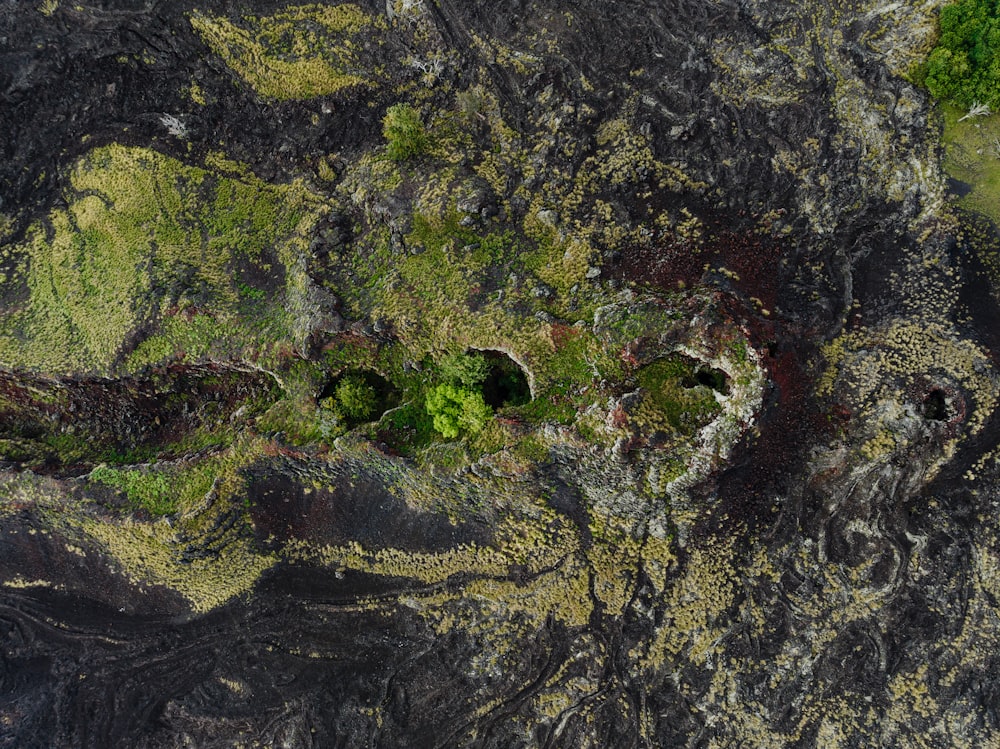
(455,409)
(354,398)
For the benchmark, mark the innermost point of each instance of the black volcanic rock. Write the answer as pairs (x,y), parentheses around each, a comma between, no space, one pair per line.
(785,535)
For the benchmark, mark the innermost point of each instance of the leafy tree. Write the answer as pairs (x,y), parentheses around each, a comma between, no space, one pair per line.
(964,67)
(354,398)
(404,132)
(455,409)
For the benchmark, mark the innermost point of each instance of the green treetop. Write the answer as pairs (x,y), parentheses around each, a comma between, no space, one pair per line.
(456,409)
(964,67)
(355,398)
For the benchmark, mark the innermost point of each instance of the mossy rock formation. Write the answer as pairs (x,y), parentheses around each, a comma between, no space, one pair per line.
(463,374)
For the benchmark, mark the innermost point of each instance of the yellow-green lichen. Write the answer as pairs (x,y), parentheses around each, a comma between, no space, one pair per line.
(300,53)
(21,583)
(867,368)
(155,553)
(613,558)
(696,600)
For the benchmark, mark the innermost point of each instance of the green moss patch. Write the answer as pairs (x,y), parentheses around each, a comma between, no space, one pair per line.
(678,394)
(148,490)
(147,261)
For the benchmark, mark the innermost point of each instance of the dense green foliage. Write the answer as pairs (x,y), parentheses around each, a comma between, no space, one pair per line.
(147,490)
(467,370)
(355,398)
(964,67)
(404,132)
(456,409)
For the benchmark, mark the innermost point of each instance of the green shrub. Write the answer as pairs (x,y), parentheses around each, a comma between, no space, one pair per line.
(404,133)
(964,67)
(456,409)
(354,398)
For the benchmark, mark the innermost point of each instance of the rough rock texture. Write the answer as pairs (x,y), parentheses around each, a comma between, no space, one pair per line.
(753,502)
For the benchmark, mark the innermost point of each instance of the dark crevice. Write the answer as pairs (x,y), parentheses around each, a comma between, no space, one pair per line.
(505,383)
(712,378)
(935,406)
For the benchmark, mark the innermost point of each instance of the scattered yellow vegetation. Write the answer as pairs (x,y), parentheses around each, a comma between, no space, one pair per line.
(154,553)
(303,52)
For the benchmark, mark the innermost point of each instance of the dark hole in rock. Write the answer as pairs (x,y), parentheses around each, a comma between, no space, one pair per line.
(936,407)
(709,377)
(358,396)
(505,383)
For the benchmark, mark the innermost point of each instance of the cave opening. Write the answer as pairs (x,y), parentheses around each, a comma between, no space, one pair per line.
(506,383)
(710,377)
(935,406)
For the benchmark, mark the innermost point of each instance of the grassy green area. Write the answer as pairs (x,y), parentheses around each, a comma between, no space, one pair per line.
(166,489)
(206,551)
(146,489)
(148,243)
(300,53)
(972,155)
(460,287)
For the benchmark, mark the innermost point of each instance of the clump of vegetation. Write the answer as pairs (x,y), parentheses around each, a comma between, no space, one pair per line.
(964,67)
(455,409)
(353,398)
(300,53)
(473,385)
(467,370)
(404,131)
(149,491)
